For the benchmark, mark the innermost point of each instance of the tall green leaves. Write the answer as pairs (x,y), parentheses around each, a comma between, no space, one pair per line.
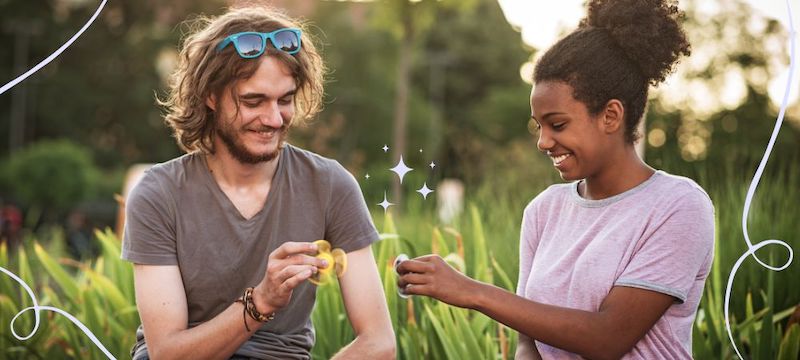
(98,294)
(425,328)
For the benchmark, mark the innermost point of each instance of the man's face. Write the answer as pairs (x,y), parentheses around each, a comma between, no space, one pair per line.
(266,107)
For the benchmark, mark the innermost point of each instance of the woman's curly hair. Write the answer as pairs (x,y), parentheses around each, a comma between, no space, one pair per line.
(203,72)
(619,49)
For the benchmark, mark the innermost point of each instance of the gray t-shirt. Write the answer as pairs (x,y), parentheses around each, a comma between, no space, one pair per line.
(178,215)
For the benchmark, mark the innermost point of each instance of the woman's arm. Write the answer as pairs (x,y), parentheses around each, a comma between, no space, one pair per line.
(526,349)
(623,318)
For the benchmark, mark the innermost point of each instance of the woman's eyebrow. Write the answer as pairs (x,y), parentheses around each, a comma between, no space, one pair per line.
(545,116)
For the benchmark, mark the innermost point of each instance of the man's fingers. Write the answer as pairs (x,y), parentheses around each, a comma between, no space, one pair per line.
(292,270)
(302,259)
(414,266)
(293,248)
(295,280)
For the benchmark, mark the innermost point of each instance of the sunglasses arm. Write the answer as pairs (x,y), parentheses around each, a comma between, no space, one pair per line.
(224,43)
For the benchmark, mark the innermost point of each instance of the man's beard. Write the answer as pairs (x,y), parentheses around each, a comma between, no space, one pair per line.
(231,137)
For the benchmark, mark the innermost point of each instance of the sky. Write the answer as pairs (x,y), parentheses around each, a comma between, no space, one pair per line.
(541,23)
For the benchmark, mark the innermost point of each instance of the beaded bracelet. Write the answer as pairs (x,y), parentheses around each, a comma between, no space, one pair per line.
(250,309)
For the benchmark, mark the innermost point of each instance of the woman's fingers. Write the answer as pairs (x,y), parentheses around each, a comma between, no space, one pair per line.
(415,266)
(411,278)
(428,258)
(415,289)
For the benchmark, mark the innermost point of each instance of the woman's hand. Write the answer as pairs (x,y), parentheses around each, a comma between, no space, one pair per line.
(430,275)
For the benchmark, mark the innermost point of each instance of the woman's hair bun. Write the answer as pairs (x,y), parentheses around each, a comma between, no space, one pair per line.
(648,32)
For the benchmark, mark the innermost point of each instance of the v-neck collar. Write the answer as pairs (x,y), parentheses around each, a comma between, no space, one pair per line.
(226,202)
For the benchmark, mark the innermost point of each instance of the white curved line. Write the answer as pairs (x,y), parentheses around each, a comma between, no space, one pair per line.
(751,249)
(36,308)
(54,55)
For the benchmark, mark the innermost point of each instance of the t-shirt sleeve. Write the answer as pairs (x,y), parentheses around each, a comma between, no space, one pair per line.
(526,251)
(149,224)
(675,250)
(348,224)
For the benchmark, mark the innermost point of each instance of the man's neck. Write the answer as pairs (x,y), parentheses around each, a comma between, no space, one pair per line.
(229,171)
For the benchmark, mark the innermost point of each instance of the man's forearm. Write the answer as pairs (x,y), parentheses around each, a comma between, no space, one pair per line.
(217,338)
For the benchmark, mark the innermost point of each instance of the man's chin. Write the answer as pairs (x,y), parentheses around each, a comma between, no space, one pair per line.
(251,157)
(252,152)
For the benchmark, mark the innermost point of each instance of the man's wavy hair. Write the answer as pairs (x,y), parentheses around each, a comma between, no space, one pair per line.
(203,72)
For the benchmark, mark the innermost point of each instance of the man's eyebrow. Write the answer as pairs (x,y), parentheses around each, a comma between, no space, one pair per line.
(250,96)
(253,96)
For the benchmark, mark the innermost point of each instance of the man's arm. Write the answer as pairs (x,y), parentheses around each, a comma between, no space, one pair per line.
(162,307)
(366,308)
(161,299)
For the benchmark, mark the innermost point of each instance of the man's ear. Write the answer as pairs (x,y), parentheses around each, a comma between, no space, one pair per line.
(613,116)
(211,102)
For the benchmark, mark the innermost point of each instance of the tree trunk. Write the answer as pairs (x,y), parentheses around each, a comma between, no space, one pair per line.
(401,95)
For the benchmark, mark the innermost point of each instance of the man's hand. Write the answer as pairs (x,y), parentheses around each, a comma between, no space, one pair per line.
(288,266)
(431,276)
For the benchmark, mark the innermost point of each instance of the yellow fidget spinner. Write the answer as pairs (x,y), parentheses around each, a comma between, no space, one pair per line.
(337,263)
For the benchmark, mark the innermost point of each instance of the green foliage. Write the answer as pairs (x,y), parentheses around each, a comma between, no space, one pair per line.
(99,294)
(57,174)
(425,328)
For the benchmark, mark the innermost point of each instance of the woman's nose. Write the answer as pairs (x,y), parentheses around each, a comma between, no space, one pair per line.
(545,141)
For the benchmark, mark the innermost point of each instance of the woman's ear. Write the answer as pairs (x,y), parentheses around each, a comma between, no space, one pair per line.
(613,116)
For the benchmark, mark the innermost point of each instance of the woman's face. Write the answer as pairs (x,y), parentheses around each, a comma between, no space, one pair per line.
(573,139)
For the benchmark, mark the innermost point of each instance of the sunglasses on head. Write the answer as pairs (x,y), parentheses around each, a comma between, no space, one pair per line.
(252,44)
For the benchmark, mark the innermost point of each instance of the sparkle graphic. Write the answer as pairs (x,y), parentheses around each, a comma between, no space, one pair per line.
(385,203)
(385,148)
(432,165)
(425,191)
(367,176)
(401,169)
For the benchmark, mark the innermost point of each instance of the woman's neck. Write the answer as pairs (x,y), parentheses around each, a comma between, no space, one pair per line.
(622,174)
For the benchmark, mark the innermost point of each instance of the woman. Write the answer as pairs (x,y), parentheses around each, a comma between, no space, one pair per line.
(612,264)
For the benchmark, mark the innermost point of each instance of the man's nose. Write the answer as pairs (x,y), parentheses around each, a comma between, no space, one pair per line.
(271,116)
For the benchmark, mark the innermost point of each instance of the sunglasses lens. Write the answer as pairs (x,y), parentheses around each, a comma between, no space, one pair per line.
(286,40)
(249,45)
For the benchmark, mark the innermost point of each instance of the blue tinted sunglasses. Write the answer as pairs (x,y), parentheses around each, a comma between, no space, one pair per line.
(252,44)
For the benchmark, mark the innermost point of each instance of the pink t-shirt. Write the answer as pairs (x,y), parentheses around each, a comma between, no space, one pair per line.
(657,236)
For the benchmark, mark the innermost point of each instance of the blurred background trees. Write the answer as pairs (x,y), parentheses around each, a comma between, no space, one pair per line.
(441,76)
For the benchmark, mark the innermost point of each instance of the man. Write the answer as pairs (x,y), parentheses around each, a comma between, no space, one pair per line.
(222,237)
